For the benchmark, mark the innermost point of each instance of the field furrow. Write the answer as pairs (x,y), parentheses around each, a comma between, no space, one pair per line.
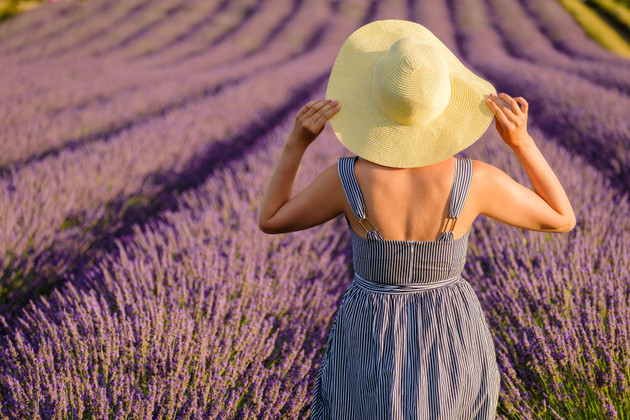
(566,34)
(586,118)
(107,186)
(530,44)
(59,30)
(72,114)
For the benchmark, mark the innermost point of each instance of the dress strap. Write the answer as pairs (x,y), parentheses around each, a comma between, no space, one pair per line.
(459,191)
(345,167)
(461,184)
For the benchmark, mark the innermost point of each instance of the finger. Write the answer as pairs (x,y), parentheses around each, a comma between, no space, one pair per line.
(315,108)
(524,104)
(498,125)
(319,119)
(505,107)
(498,113)
(325,116)
(306,108)
(515,108)
(322,110)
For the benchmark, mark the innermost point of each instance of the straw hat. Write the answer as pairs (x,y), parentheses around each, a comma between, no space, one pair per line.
(405,99)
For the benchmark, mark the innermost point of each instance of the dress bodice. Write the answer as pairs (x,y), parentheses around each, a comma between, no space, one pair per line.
(402,262)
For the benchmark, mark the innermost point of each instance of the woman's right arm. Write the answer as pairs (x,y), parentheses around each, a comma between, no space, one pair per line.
(547,208)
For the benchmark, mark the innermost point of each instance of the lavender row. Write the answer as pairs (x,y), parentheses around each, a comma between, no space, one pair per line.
(436,17)
(588,119)
(59,31)
(528,43)
(545,274)
(120,94)
(23,25)
(106,187)
(57,209)
(189,319)
(218,25)
(167,48)
(102,72)
(182,287)
(189,28)
(123,287)
(566,34)
(220,213)
(556,304)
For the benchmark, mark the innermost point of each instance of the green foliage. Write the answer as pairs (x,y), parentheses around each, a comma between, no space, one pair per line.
(624,3)
(596,28)
(8,9)
(615,11)
(69,222)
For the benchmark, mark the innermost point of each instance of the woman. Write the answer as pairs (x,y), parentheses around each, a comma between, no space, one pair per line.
(409,339)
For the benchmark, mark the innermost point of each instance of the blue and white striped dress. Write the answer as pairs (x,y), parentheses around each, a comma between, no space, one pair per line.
(409,340)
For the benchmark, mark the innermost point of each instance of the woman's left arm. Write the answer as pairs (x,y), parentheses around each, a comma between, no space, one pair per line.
(317,203)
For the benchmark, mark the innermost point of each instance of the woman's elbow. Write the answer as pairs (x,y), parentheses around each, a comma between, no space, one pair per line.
(568,226)
(268,228)
(558,225)
(262,225)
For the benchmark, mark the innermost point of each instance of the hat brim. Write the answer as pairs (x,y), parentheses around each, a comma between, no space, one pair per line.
(364,130)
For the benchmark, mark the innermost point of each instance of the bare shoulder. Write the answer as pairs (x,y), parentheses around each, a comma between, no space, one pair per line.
(485,174)
(482,169)
(331,173)
(363,169)
(330,177)
(484,178)
(479,172)
(361,163)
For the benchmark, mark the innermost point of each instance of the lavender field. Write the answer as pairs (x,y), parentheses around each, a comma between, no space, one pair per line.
(137,139)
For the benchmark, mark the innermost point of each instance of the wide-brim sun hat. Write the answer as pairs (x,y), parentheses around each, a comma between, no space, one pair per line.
(405,99)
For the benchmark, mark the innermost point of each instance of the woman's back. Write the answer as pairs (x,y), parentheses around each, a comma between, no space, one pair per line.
(410,204)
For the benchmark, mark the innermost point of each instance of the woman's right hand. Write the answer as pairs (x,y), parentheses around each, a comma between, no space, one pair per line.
(547,208)
(511,121)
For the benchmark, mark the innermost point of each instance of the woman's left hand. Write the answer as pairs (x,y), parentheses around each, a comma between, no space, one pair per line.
(310,120)
(278,211)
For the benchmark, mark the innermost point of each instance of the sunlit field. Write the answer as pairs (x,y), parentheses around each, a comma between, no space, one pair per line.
(137,138)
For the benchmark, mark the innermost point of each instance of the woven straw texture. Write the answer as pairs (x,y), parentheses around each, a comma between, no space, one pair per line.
(405,99)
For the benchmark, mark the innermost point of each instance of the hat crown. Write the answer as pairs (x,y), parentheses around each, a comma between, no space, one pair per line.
(411,82)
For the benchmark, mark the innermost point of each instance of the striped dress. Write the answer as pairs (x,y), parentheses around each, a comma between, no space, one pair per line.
(409,339)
